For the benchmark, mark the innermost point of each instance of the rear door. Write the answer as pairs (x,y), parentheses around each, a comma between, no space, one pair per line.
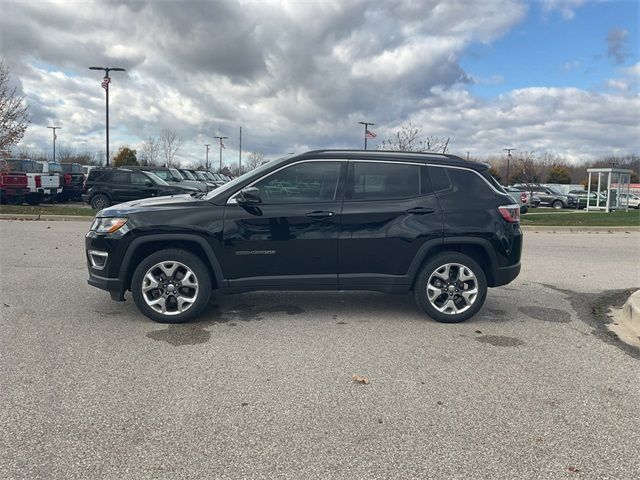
(291,238)
(389,213)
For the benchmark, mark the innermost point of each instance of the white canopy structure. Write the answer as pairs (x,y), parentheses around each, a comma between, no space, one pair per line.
(616,188)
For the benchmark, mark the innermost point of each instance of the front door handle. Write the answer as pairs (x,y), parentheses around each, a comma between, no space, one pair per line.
(420,210)
(319,215)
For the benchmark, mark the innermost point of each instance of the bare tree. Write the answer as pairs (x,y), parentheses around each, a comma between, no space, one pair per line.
(150,151)
(409,138)
(253,161)
(169,144)
(14,113)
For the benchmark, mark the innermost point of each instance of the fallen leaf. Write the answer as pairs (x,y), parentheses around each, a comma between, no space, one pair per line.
(360,379)
(574,469)
(478,331)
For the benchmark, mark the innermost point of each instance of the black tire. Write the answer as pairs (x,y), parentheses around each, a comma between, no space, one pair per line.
(435,264)
(191,261)
(557,204)
(99,201)
(33,201)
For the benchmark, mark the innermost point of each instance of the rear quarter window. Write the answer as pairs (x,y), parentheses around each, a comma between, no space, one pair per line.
(459,189)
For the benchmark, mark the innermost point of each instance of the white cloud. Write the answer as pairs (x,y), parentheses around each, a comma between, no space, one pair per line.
(295,75)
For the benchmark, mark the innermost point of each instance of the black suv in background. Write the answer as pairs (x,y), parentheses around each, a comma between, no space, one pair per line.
(548,196)
(394,222)
(106,187)
(72,182)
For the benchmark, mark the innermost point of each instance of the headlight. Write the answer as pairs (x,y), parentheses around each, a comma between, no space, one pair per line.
(108,225)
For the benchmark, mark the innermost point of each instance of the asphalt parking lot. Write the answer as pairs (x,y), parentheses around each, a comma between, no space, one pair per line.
(262,386)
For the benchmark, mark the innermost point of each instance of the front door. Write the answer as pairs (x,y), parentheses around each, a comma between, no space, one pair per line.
(290,239)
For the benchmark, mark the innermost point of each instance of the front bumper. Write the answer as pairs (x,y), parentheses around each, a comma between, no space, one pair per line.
(114,286)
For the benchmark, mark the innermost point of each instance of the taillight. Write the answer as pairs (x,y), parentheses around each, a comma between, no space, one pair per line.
(38,181)
(511,213)
(2,180)
(67,179)
(523,197)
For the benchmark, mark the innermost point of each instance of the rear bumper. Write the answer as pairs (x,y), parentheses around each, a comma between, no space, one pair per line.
(504,275)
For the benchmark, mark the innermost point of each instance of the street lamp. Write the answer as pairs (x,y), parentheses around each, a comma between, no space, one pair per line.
(105,84)
(508,150)
(206,158)
(221,147)
(54,141)
(367,133)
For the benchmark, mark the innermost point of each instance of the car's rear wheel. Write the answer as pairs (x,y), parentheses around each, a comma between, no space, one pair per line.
(171,286)
(100,201)
(451,288)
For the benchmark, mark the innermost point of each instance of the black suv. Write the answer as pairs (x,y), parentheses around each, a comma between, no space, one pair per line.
(107,186)
(394,222)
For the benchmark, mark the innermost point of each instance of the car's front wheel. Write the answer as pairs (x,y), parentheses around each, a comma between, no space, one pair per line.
(451,288)
(557,205)
(100,201)
(171,286)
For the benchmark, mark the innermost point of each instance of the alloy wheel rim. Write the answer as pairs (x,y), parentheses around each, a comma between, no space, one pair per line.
(170,288)
(452,288)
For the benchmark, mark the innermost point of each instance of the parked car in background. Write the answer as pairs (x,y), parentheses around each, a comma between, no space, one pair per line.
(72,182)
(14,186)
(106,187)
(199,175)
(633,201)
(87,168)
(211,177)
(173,177)
(578,199)
(524,199)
(548,196)
(33,171)
(51,179)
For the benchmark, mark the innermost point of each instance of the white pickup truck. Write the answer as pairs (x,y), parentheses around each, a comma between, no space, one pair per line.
(51,179)
(33,171)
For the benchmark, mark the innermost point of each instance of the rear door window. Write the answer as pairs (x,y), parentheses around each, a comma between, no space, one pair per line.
(383,181)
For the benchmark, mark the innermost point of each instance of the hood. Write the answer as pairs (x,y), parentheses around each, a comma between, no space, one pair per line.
(159,203)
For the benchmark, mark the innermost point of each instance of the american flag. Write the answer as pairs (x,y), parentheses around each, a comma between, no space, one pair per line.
(370,134)
(105,83)
(222,145)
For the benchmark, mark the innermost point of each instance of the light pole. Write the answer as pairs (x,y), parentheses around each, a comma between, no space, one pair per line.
(508,150)
(105,84)
(206,160)
(221,147)
(367,133)
(53,129)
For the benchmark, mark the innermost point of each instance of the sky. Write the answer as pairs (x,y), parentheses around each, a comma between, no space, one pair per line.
(550,76)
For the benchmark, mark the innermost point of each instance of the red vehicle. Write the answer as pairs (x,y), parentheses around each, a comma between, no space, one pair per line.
(13,187)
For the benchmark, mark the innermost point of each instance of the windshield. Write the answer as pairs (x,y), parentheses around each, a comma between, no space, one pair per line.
(232,184)
(187,175)
(28,166)
(156,179)
(55,168)
(176,175)
(200,176)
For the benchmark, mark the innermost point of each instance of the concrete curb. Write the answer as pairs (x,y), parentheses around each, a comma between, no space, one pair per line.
(64,218)
(626,320)
(578,229)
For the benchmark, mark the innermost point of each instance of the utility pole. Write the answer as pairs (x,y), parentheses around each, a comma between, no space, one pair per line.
(240,154)
(105,84)
(508,150)
(206,158)
(366,132)
(221,147)
(54,141)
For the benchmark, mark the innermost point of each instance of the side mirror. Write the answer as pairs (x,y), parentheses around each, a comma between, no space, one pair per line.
(249,196)
(148,183)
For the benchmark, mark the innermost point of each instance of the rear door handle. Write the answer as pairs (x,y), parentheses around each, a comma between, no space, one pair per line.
(319,215)
(420,210)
